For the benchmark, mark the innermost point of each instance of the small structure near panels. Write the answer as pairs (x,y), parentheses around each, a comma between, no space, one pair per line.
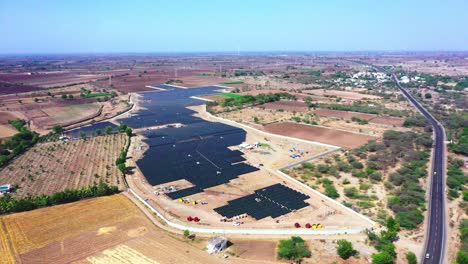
(5,188)
(216,244)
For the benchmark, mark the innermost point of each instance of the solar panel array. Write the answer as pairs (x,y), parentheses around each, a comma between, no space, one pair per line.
(274,201)
(197,152)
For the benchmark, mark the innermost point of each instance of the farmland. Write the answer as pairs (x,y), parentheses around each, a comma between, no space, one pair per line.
(99,230)
(55,166)
(319,134)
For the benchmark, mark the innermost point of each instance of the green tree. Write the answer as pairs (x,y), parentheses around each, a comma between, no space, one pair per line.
(411,257)
(186,233)
(108,130)
(83,135)
(382,258)
(129,131)
(121,167)
(293,249)
(462,257)
(98,132)
(122,127)
(345,249)
(64,96)
(428,96)
(57,129)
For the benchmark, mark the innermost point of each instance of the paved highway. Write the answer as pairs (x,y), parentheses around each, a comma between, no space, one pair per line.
(435,238)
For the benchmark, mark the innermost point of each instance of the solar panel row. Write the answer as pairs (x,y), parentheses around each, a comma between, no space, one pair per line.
(274,201)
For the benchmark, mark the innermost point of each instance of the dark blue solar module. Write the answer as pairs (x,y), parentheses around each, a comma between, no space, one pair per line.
(274,201)
(197,152)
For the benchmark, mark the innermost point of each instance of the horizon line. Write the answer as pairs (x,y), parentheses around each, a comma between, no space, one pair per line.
(228,52)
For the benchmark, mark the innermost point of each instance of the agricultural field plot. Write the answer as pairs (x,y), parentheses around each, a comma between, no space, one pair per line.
(50,167)
(319,134)
(70,113)
(49,79)
(258,117)
(6,130)
(343,94)
(287,105)
(11,88)
(100,230)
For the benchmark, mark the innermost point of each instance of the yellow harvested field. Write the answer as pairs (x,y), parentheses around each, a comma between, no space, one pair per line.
(37,228)
(51,167)
(6,253)
(121,254)
(100,230)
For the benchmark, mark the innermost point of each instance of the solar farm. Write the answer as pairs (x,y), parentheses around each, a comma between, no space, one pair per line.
(197,171)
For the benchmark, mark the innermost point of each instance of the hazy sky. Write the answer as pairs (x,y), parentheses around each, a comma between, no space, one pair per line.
(67,26)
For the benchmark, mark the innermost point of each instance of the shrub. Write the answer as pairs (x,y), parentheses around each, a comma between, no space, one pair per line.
(293,249)
(410,219)
(411,257)
(345,249)
(377,176)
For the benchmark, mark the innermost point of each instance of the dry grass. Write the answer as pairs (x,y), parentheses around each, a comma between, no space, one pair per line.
(100,230)
(6,252)
(51,167)
(35,229)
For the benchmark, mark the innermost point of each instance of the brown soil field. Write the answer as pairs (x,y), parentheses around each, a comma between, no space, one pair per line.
(343,114)
(46,80)
(100,230)
(255,250)
(319,134)
(343,94)
(287,105)
(388,120)
(7,131)
(67,114)
(5,116)
(10,88)
(50,167)
(49,111)
(322,112)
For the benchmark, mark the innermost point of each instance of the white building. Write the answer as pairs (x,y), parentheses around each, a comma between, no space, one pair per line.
(5,188)
(216,244)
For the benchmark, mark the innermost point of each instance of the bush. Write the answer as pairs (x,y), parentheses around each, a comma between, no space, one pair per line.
(308,165)
(357,165)
(293,249)
(410,219)
(351,192)
(377,176)
(411,257)
(382,258)
(345,249)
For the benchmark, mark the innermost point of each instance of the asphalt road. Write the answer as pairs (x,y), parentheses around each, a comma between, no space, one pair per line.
(435,237)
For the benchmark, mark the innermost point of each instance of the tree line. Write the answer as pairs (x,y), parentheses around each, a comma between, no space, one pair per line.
(10,204)
(18,142)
